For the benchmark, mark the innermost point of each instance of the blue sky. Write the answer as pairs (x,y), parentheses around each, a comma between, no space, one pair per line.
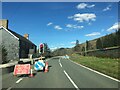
(61,24)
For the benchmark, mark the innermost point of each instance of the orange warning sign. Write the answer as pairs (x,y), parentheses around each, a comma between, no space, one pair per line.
(22,69)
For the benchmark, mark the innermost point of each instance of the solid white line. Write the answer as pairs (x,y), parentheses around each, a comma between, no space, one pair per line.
(71,80)
(9,88)
(18,81)
(96,72)
(60,64)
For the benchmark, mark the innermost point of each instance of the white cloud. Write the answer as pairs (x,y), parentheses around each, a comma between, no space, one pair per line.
(84,5)
(107,8)
(53,48)
(50,23)
(90,6)
(73,42)
(74,26)
(89,23)
(93,34)
(83,17)
(81,6)
(57,27)
(70,17)
(69,25)
(116,26)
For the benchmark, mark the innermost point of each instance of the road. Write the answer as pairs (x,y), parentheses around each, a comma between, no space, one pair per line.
(63,74)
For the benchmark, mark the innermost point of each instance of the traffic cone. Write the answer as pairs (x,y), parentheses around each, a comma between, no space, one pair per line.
(46,67)
(31,73)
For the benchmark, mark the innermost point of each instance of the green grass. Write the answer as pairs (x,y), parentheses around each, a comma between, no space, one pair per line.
(105,65)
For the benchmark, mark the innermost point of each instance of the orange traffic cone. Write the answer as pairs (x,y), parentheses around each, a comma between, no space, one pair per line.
(31,73)
(46,67)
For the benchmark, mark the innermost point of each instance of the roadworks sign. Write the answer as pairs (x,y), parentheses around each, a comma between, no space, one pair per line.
(22,69)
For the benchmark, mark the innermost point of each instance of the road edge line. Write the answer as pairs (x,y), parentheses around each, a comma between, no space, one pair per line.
(96,71)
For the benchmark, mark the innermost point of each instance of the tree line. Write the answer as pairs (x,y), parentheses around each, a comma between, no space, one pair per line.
(110,40)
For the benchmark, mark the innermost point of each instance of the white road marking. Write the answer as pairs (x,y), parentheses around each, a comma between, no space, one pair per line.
(9,88)
(71,80)
(96,72)
(60,64)
(18,81)
(48,59)
(59,60)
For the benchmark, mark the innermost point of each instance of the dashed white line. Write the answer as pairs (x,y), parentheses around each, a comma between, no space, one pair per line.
(18,81)
(9,88)
(96,72)
(59,60)
(60,64)
(71,80)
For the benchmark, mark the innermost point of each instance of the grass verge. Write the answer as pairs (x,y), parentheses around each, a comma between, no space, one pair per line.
(107,66)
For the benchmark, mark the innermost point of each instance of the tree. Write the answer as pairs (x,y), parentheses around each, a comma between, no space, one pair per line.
(77,47)
(83,48)
(118,37)
(87,45)
(47,51)
(77,42)
(99,43)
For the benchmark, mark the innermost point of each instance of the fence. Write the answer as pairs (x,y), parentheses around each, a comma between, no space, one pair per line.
(113,52)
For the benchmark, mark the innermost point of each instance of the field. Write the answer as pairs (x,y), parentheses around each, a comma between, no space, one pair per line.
(107,66)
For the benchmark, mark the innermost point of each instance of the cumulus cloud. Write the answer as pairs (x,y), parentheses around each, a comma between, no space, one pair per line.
(107,8)
(115,26)
(50,23)
(57,27)
(84,5)
(74,26)
(93,34)
(83,17)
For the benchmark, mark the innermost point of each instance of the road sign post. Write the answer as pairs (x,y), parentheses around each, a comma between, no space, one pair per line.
(41,49)
(31,52)
(31,58)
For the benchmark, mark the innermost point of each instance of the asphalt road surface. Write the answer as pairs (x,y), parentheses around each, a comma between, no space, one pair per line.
(63,74)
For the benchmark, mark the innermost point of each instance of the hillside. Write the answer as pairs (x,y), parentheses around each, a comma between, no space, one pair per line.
(97,47)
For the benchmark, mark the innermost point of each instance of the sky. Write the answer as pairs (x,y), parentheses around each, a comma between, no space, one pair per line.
(60,24)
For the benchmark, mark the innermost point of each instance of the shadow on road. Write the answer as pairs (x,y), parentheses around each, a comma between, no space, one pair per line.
(27,75)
